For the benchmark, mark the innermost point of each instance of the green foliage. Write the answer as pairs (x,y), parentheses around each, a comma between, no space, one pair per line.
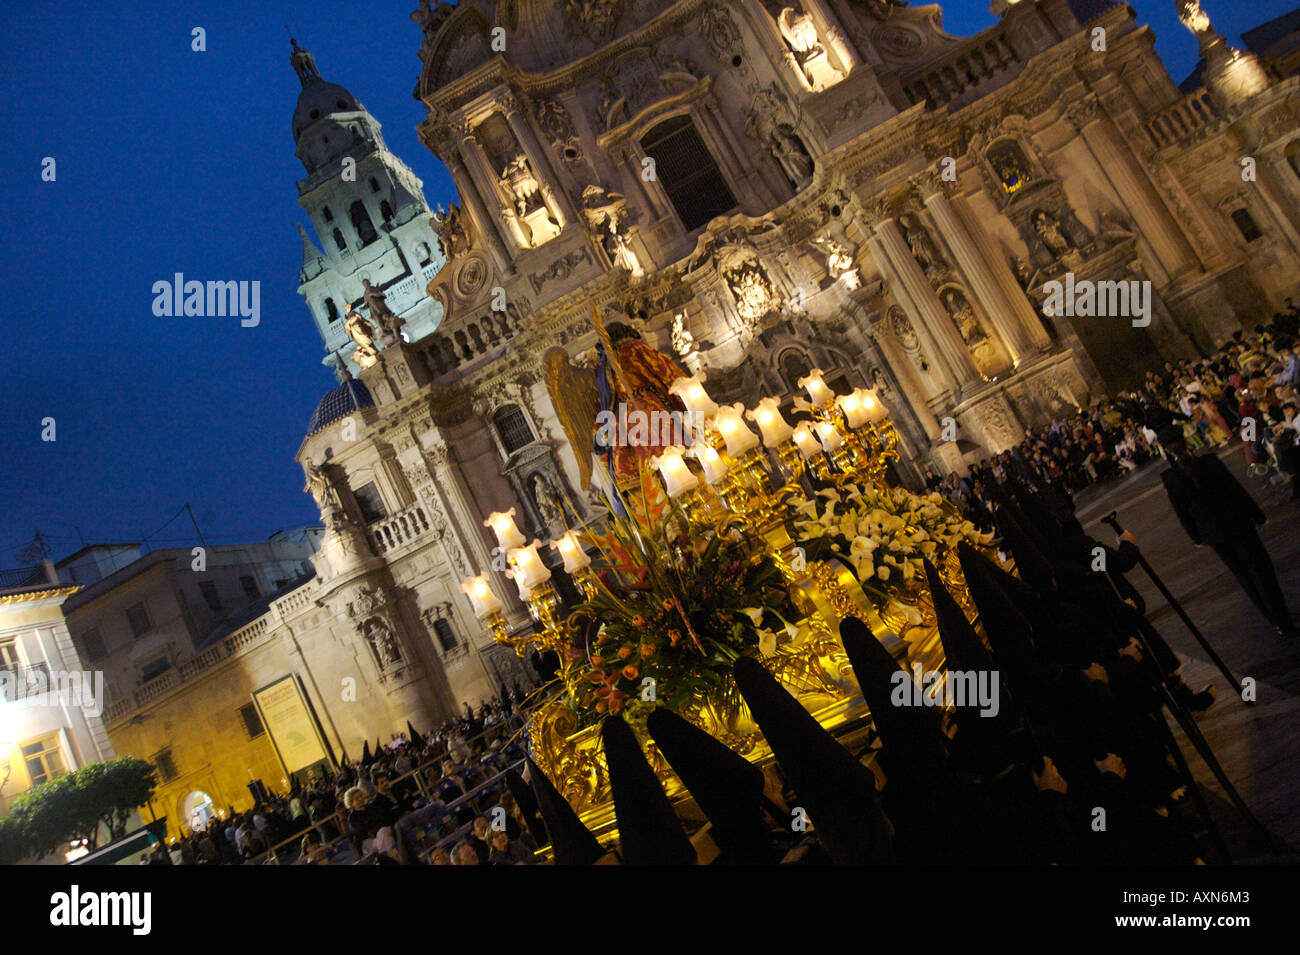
(74,805)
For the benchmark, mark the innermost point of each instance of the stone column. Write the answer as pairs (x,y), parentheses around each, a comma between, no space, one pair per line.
(1280,197)
(1015,338)
(1173,252)
(485,222)
(828,25)
(552,186)
(485,179)
(929,315)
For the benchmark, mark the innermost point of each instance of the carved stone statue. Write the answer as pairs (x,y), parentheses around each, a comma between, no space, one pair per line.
(963,316)
(390,325)
(799,31)
(451,232)
(922,246)
(384,643)
(1049,230)
(548,505)
(620,252)
(838,259)
(359,330)
(321,486)
(790,153)
(613,104)
(519,181)
(752,289)
(683,341)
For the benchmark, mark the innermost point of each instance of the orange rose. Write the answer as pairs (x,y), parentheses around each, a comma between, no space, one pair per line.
(638,621)
(668,604)
(615,705)
(597,659)
(601,706)
(648,649)
(631,672)
(624,652)
(674,636)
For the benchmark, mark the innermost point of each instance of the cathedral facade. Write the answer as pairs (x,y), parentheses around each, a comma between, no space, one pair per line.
(758,188)
(764,187)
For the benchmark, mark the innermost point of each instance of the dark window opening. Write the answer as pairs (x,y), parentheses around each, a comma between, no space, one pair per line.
(1246,225)
(139,619)
(329,216)
(166,766)
(446,636)
(374,184)
(385,210)
(361,222)
(339,241)
(250,588)
(513,428)
(686,170)
(94,645)
(370,503)
(252,720)
(210,596)
(331,310)
(154,669)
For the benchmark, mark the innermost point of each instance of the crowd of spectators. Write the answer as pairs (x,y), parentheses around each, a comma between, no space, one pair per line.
(1249,388)
(436,797)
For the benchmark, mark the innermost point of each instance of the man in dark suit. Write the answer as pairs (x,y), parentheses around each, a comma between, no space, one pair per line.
(1216,510)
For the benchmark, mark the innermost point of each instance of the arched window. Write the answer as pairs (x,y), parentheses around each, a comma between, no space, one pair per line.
(361,222)
(339,241)
(687,172)
(512,427)
(794,365)
(446,636)
(386,210)
(331,310)
(1010,164)
(325,211)
(374,184)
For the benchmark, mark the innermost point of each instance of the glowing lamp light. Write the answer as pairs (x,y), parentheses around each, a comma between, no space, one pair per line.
(503,525)
(480,595)
(806,441)
(527,569)
(775,429)
(732,427)
(875,408)
(830,436)
(575,558)
(678,478)
(715,469)
(816,388)
(693,396)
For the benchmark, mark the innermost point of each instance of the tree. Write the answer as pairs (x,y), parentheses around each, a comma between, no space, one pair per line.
(74,805)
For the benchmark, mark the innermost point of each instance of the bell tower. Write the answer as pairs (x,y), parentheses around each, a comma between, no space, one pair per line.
(369,215)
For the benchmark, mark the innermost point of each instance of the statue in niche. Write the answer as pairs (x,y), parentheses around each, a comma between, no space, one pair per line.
(548,504)
(359,330)
(1020,268)
(1049,230)
(518,179)
(799,32)
(321,486)
(789,151)
(383,642)
(605,213)
(922,246)
(882,384)
(963,316)
(683,341)
(838,259)
(451,232)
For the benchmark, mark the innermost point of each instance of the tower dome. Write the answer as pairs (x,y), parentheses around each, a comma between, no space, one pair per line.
(318,98)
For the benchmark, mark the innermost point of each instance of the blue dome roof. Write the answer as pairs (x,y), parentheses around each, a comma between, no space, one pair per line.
(338,403)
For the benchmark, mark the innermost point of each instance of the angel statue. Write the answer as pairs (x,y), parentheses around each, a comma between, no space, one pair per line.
(359,330)
(614,414)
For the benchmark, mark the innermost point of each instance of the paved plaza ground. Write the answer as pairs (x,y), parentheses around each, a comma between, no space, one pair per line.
(1259,746)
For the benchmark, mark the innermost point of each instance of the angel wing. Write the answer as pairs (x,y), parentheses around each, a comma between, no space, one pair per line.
(573,393)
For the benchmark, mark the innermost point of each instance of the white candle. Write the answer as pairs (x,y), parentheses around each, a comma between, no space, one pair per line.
(816,388)
(732,427)
(481,597)
(694,397)
(808,444)
(876,411)
(575,558)
(528,566)
(830,436)
(854,407)
(775,429)
(678,478)
(715,469)
(503,524)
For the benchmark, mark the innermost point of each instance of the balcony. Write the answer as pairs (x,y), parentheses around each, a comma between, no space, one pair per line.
(1181,120)
(952,76)
(403,528)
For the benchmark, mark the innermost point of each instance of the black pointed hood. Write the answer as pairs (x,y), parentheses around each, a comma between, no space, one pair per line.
(649,831)
(837,791)
(727,787)
(571,841)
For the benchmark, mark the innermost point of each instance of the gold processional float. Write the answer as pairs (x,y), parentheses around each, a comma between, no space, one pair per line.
(738,558)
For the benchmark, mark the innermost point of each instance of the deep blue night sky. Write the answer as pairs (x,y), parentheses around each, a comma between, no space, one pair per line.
(175,161)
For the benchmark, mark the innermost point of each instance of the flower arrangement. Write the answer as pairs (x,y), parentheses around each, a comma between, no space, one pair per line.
(671,612)
(883,534)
